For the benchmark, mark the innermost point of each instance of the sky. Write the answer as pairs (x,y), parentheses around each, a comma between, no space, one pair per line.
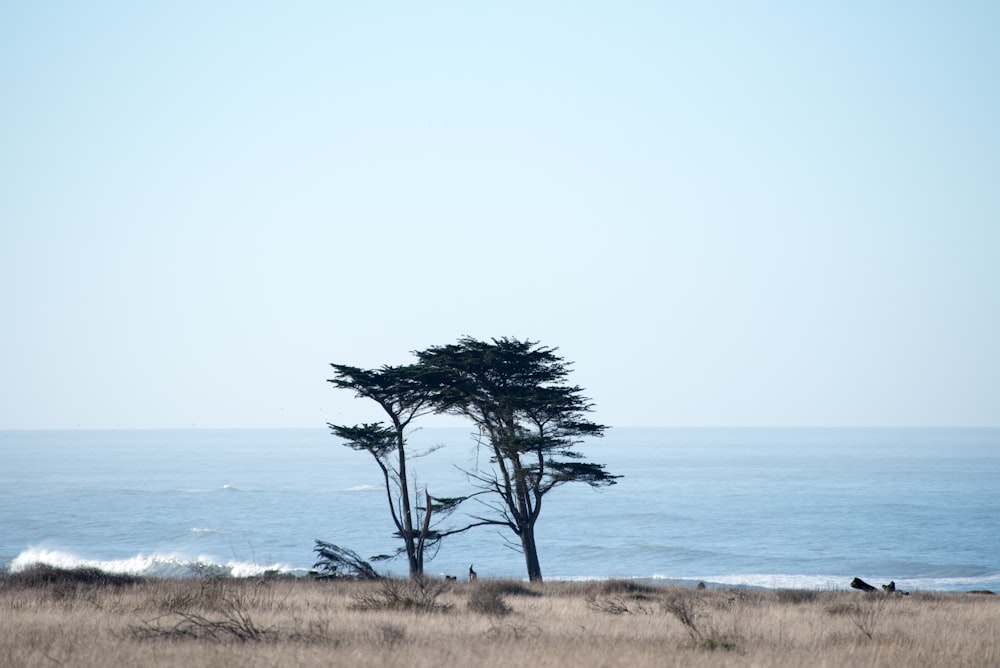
(725,214)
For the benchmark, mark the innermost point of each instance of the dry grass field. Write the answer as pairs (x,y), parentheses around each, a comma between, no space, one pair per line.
(84,618)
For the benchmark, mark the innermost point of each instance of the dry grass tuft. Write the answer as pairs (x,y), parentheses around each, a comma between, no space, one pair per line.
(797,596)
(85,619)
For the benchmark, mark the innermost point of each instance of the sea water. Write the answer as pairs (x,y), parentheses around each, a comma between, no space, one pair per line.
(755,507)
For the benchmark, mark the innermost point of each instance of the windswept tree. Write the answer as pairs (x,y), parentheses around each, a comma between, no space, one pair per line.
(402,396)
(527,417)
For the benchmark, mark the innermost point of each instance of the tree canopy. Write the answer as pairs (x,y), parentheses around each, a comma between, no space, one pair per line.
(397,391)
(527,416)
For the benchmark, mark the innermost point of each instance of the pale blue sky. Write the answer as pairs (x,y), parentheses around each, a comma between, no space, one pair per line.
(726,214)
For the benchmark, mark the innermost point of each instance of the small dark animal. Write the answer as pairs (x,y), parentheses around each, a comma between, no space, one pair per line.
(472,574)
(701,585)
(450,577)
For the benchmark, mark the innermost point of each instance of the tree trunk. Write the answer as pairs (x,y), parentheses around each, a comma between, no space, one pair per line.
(531,553)
(424,530)
(416,567)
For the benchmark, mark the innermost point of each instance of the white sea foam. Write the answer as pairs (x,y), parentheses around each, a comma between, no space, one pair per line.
(154,565)
(580,578)
(947,584)
(362,488)
(830,582)
(135,565)
(771,580)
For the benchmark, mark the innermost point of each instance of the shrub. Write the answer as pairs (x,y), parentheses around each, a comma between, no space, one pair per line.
(712,643)
(630,588)
(507,588)
(489,602)
(688,608)
(866,613)
(419,595)
(232,621)
(612,606)
(43,575)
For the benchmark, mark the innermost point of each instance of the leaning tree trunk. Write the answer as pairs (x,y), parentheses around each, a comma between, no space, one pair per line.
(531,553)
(521,510)
(415,563)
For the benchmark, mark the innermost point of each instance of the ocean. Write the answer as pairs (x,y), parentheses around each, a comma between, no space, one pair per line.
(772,508)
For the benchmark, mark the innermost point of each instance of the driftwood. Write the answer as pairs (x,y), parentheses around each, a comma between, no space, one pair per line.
(858,583)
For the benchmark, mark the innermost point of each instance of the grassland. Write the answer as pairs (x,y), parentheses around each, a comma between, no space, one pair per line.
(84,618)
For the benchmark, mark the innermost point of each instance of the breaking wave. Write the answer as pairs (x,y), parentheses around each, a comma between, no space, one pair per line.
(153,565)
(182,566)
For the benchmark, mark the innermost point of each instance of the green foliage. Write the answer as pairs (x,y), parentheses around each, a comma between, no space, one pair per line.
(375,438)
(711,643)
(512,391)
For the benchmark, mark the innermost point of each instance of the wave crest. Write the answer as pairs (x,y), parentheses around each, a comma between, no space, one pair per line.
(153,565)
